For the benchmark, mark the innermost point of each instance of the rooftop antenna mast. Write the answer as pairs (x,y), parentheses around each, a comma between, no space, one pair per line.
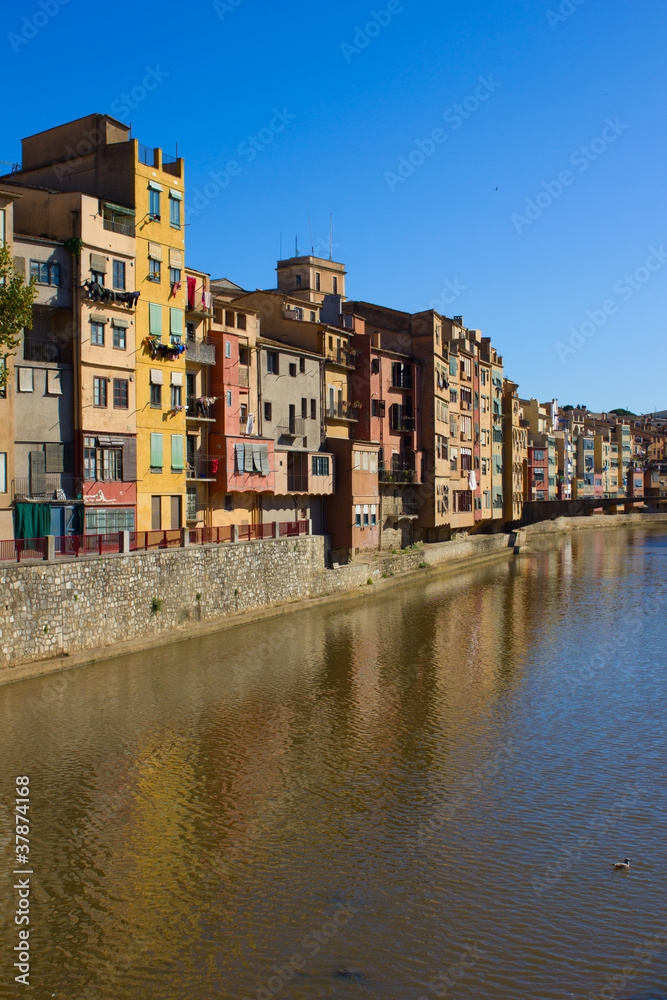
(296,246)
(312,248)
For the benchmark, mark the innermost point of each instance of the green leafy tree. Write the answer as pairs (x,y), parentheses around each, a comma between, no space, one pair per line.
(16,299)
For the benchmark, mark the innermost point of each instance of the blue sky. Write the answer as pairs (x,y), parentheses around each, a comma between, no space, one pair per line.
(339,96)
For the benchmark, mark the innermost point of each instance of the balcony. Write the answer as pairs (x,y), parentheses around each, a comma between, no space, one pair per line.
(293,427)
(200,352)
(397,476)
(342,411)
(47,488)
(201,468)
(402,422)
(401,380)
(199,409)
(398,509)
(121,228)
(347,359)
(40,349)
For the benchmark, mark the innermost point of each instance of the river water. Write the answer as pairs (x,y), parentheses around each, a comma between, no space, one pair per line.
(421,791)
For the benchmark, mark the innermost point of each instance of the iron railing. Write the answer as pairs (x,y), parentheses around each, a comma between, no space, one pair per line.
(342,411)
(292,427)
(199,410)
(47,487)
(342,357)
(403,475)
(202,467)
(122,228)
(41,349)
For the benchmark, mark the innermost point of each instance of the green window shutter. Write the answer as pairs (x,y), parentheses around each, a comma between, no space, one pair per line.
(176,322)
(155,319)
(156,451)
(177,451)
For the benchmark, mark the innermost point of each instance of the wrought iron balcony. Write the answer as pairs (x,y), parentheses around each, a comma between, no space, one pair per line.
(294,427)
(47,351)
(347,359)
(401,380)
(402,422)
(342,411)
(198,409)
(202,468)
(398,475)
(47,487)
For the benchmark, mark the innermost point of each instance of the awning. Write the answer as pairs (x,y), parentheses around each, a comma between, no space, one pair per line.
(119,322)
(154,186)
(98,318)
(119,208)
(175,258)
(157,377)
(177,378)
(103,439)
(175,194)
(155,251)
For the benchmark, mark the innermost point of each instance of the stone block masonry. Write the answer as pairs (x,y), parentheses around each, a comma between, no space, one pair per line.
(49,610)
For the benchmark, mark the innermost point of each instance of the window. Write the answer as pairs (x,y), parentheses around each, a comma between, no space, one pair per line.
(89,458)
(97,276)
(228,348)
(190,332)
(229,501)
(452,366)
(154,269)
(97,334)
(110,464)
(335,286)
(302,365)
(298,280)
(175,213)
(229,318)
(99,391)
(177,453)
(191,503)
(267,411)
(120,393)
(317,281)
(45,273)
(174,276)
(229,397)
(244,413)
(154,319)
(3,472)
(154,204)
(241,321)
(272,362)
(298,312)
(292,370)
(156,453)
(176,396)
(320,465)
(313,410)
(176,317)
(119,275)
(304,408)
(374,515)
(119,340)
(156,397)
(312,316)
(357,515)
(366,515)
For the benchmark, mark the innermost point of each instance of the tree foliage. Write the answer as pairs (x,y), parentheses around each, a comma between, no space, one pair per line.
(16,299)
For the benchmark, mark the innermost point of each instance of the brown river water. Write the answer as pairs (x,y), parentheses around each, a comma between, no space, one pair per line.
(417,794)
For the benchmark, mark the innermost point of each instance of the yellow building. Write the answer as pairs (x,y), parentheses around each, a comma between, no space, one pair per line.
(140,192)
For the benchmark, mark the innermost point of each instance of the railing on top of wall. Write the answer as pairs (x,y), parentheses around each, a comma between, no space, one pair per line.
(69,546)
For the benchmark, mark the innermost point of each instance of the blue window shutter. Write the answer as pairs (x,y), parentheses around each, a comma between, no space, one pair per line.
(177,451)
(176,322)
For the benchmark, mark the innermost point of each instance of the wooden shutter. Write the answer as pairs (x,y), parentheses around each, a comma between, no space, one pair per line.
(154,319)
(175,512)
(129,460)
(98,262)
(156,519)
(177,452)
(37,471)
(19,266)
(55,457)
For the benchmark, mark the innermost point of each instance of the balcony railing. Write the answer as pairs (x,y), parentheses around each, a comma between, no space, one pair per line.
(342,411)
(122,228)
(402,423)
(341,357)
(198,409)
(294,427)
(401,381)
(200,351)
(403,475)
(202,468)
(41,349)
(47,487)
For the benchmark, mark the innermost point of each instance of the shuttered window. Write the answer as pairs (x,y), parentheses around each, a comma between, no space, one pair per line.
(156,451)
(55,457)
(154,319)
(177,461)
(175,512)
(156,519)
(176,322)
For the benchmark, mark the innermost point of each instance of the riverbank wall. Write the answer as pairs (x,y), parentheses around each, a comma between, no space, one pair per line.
(60,615)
